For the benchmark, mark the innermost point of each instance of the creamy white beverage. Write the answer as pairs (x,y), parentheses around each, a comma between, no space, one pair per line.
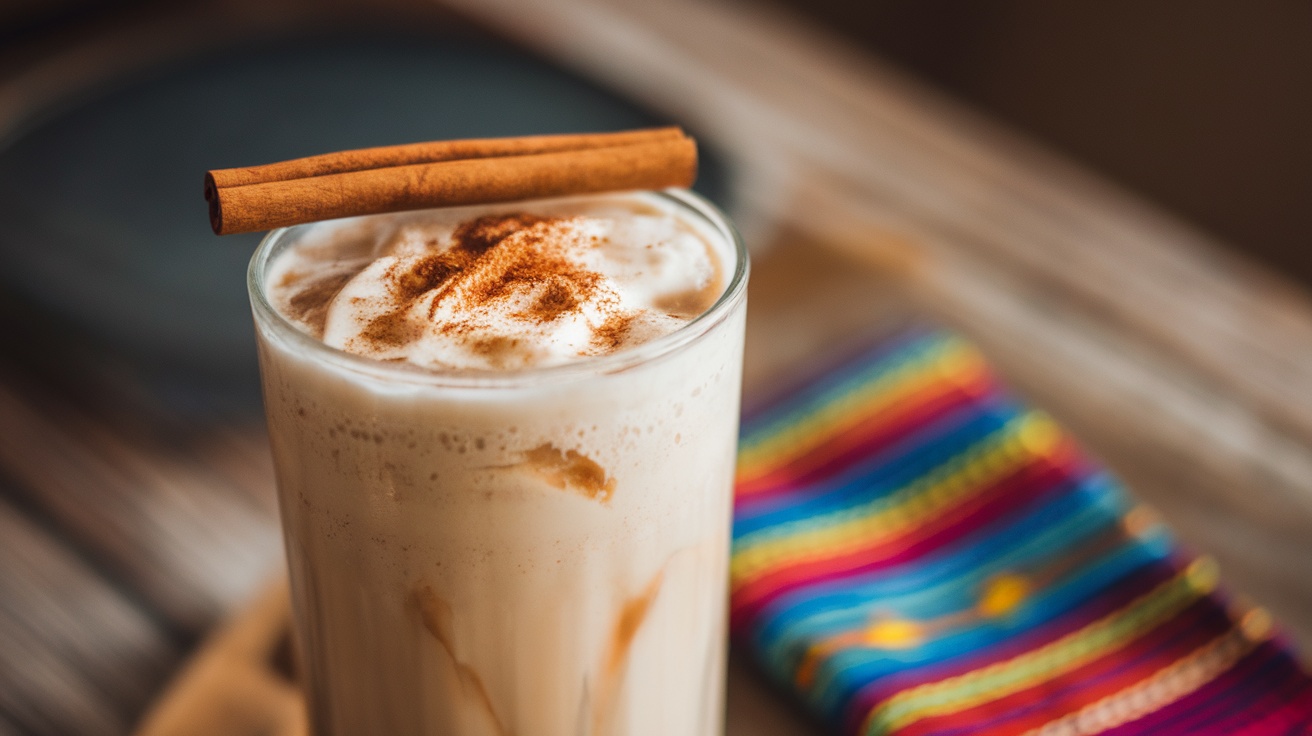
(504,440)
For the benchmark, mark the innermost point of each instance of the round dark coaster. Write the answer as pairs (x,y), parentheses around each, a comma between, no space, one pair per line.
(104,225)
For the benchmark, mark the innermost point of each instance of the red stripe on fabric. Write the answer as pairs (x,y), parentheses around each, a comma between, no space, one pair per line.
(872,434)
(1195,712)
(1139,660)
(1294,716)
(1264,679)
(1102,603)
(844,363)
(1028,483)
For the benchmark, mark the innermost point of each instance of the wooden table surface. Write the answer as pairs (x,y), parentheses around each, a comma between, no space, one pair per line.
(127,532)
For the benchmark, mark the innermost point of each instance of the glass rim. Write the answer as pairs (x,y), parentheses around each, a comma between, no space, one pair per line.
(271,320)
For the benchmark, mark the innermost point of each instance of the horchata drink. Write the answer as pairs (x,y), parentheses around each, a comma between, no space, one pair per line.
(504,439)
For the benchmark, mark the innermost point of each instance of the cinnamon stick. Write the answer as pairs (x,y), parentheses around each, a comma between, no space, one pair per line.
(446,173)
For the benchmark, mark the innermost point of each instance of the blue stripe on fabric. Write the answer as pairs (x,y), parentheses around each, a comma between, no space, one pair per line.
(881,474)
(1041,530)
(833,389)
(1030,524)
(841,366)
(942,587)
(847,672)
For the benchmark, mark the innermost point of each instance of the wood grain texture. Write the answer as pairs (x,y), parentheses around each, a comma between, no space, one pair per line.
(238,683)
(182,515)
(76,655)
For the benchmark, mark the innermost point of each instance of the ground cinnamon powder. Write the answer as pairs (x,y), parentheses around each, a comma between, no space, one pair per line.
(535,260)
(478,273)
(491,258)
(613,332)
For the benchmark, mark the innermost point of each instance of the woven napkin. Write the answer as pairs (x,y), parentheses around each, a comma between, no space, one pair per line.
(917,553)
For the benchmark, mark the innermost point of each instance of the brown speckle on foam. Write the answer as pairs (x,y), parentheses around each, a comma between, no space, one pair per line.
(500,352)
(556,298)
(613,332)
(309,304)
(392,329)
(688,304)
(479,235)
(428,273)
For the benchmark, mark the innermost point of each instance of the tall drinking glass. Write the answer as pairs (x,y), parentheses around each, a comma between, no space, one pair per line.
(539,552)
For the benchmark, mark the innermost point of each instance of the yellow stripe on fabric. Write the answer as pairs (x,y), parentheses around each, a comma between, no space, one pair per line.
(955,362)
(795,436)
(1166,686)
(804,434)
(1068,653)
(838,532)
(998,596)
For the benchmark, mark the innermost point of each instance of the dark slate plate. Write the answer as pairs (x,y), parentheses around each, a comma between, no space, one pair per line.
(104,226)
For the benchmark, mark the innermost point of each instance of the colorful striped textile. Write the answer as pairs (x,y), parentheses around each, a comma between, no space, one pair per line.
(916,553)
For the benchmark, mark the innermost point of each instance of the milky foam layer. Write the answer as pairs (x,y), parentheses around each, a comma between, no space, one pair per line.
(531,287)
